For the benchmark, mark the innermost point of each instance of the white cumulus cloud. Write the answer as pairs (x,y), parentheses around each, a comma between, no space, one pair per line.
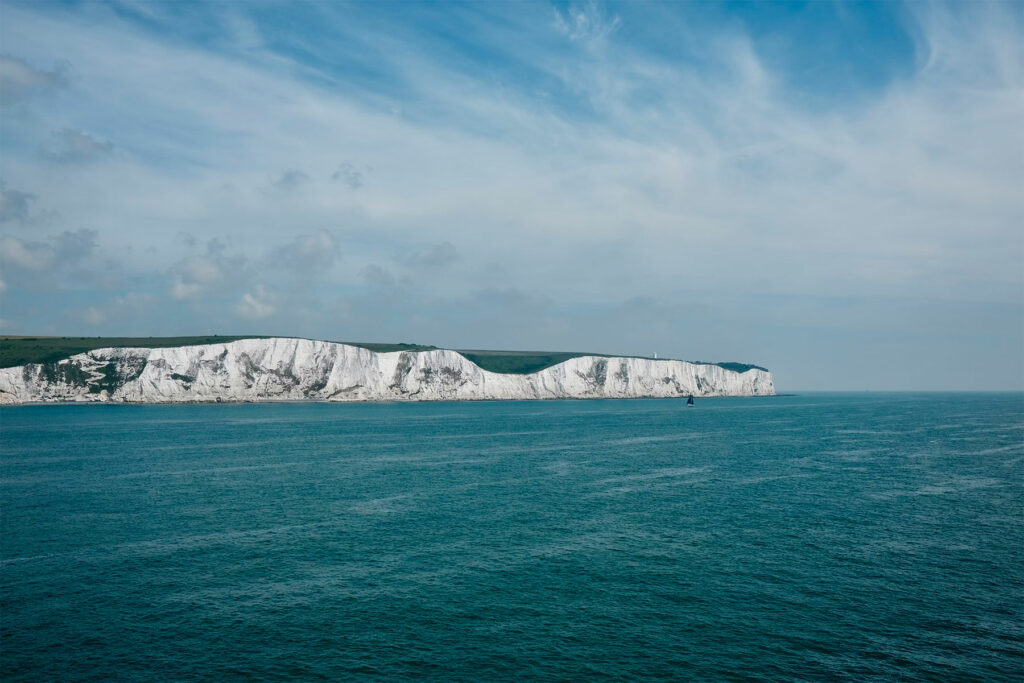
(256,305)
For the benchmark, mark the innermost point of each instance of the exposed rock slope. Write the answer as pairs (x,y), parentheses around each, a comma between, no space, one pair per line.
(299,369)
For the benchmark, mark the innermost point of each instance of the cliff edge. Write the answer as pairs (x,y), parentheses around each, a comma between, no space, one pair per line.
(285,369)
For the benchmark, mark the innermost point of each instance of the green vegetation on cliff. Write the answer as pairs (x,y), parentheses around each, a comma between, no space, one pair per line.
(15,351)
(519,362)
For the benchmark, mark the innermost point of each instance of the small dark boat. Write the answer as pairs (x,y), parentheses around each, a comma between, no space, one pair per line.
(689,400)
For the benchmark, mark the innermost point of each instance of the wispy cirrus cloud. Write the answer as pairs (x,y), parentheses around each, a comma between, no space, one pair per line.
(348,174)
(587,22)
(20,81)
(197,275)
(56,252)
(256,304)
(290,180)
(72,145)
(434,256)
(307,253)
(633,152)
(15,205)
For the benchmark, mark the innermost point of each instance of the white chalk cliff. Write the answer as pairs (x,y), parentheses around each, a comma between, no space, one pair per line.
(283,369)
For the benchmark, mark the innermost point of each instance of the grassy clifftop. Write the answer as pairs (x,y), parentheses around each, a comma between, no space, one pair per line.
(15,351)
(519,362)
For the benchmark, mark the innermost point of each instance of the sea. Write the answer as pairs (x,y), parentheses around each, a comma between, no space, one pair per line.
(819,537)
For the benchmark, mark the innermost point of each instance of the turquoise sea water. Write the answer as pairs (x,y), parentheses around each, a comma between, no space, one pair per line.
(818,537)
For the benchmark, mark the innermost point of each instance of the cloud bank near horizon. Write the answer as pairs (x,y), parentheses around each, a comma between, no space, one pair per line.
(622,178)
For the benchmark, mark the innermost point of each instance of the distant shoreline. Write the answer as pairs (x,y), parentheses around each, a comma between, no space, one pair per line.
(21,350)
(370,401)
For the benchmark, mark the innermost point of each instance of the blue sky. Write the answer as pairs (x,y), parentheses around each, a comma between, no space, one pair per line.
(831,190)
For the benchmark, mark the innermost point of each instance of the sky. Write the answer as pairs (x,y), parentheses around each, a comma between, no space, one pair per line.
(829,190)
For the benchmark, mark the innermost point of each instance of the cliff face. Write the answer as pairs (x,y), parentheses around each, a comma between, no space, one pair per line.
(300,369)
